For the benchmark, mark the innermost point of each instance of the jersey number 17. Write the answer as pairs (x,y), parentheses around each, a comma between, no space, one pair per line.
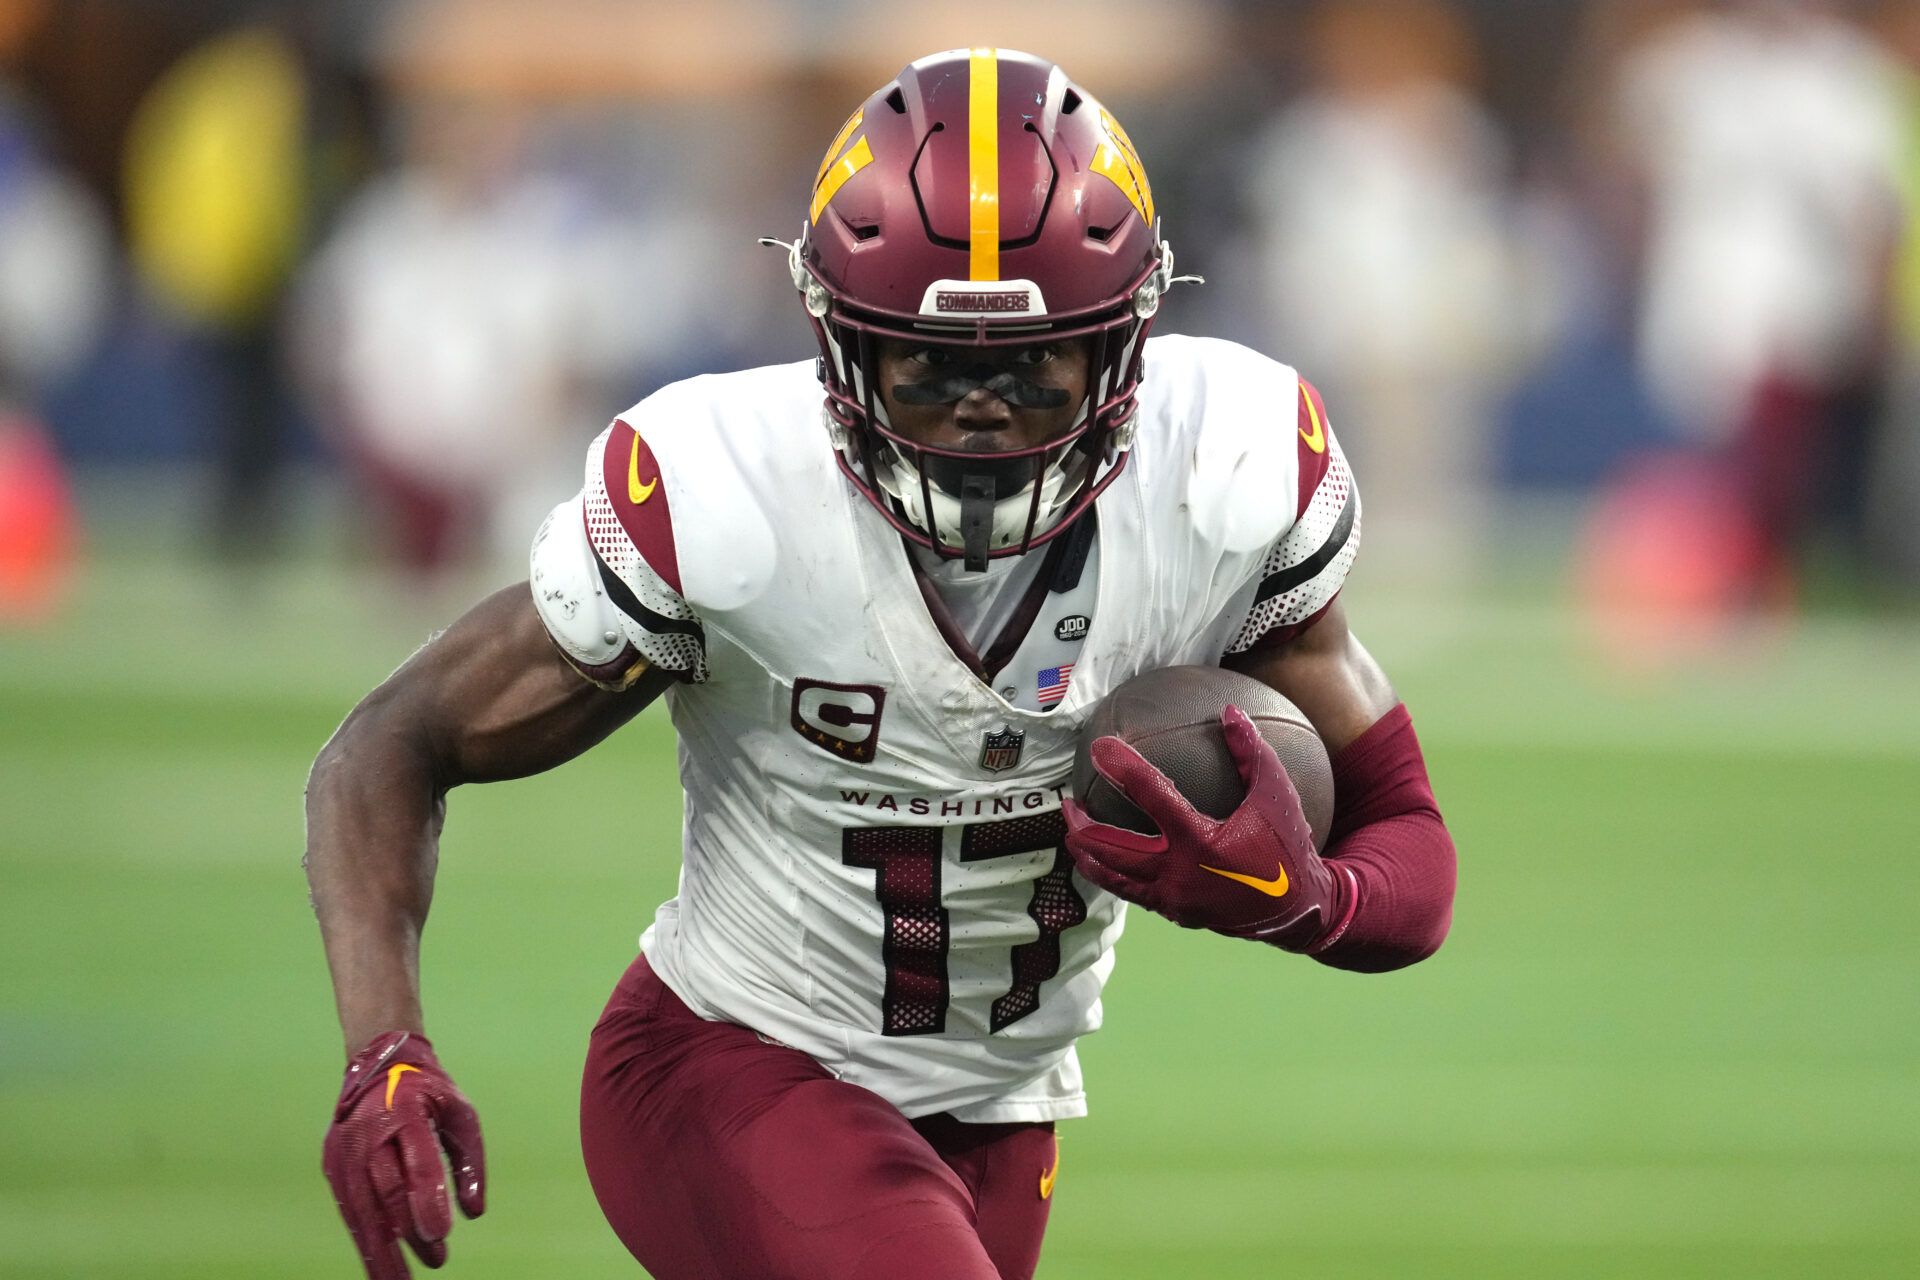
(906,862)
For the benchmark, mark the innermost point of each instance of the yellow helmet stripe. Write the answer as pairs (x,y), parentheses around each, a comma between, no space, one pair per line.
(983,164)
(835,175)
(839,141)
(1117,160)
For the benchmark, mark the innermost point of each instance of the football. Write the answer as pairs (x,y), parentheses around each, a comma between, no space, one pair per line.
(1172,717)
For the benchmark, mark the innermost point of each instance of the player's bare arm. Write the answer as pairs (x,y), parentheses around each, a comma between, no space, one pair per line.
(1328,674)
(487,699)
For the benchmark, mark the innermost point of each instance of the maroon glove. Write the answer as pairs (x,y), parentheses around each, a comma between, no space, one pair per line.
(1256,875)
(382,1155)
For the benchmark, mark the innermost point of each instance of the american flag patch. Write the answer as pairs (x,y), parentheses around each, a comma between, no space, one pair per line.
(1053,684)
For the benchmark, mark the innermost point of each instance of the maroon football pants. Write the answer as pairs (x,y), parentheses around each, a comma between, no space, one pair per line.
(717,1155)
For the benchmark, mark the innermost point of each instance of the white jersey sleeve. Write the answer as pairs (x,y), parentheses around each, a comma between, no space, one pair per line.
(1307,564)
(605,571)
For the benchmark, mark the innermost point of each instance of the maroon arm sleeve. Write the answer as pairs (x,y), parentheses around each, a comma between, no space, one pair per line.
(1390,843)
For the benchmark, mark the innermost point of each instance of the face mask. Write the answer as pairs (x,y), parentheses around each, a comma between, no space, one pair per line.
(981,483)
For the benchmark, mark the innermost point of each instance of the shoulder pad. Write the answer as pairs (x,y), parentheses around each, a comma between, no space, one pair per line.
(630,534)
(703,531)
(625,494)
(1306,569)
(568,595)
(1244,462)
(1317,449)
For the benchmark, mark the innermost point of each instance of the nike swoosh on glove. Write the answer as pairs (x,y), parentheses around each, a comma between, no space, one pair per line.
(1254,875)
(397,1110)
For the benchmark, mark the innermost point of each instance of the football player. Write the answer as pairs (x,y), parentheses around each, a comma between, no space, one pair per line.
(879,626)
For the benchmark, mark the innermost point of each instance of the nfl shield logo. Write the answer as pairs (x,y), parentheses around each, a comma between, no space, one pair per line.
(1001,751)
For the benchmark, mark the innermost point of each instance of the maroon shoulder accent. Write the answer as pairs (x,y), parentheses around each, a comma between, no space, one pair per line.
(639,500)
(1315,444)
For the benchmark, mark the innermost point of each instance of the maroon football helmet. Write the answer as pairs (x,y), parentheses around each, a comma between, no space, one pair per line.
(983,199)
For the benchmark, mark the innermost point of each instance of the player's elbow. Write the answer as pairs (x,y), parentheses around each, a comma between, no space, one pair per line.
(1384,955)
(333,767)
(1431,919)
(336,763)
(377,743)
(1406,899)
(1421,941)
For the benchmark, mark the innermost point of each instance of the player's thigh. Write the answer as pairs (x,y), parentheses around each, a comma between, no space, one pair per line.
(1010,1171)
(717,1154)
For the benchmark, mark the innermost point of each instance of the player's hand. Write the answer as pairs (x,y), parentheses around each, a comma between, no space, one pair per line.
(1255,875)
(397,1109)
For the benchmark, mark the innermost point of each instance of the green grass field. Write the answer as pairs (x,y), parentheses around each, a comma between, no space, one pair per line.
(1676,1031)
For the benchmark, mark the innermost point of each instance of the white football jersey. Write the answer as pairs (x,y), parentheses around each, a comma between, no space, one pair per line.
(874,871)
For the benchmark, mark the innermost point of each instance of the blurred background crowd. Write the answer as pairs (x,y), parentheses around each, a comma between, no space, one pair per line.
(309,309)
(364,278)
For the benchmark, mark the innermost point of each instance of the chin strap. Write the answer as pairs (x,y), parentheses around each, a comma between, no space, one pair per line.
(976,519)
